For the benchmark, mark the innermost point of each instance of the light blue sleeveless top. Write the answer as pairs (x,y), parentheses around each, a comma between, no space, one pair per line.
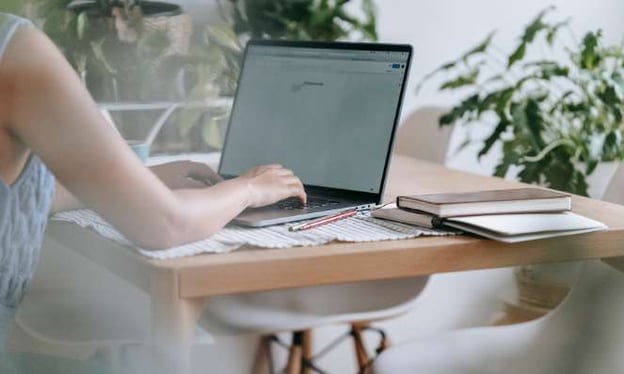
(24,207)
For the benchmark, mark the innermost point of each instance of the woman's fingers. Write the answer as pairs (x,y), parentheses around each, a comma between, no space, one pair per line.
(271,183)
(203,173)
(193,183)
(186,174)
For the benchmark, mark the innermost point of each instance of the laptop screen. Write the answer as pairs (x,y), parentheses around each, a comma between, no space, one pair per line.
(326,113)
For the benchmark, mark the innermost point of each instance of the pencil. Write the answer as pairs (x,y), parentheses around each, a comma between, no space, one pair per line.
(324,220)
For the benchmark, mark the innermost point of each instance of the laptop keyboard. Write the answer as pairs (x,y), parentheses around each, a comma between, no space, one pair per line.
(313,202)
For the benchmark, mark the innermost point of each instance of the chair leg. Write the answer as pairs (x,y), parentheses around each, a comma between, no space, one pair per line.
(296,354)
(384,344)
(307,350)
(360,350)
(260,364)
(363,360)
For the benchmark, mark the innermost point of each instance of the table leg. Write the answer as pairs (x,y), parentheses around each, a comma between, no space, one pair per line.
(173,324)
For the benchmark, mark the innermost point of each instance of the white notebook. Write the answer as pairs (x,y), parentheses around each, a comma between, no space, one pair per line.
(513,228)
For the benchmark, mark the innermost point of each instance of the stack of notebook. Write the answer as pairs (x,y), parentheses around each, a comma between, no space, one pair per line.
(507,215)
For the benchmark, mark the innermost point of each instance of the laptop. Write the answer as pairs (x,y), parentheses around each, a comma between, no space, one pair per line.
(326,110)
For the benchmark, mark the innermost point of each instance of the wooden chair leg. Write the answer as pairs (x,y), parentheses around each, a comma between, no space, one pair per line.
(307,349)
(360,350)
(260,364)
(384,344)
(296,354)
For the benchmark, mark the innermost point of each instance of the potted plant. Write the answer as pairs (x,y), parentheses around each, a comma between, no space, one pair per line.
(118,46)
(123,50)
(557,119)
(557,115)
(221,46)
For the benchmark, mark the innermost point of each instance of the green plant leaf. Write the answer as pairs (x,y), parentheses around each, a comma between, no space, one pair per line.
(211,135)
(561,174)
(459,111)
(468,79)
(553,30)
(530,32)
(613,146)
(590,54)
(511,156)
(188,119)
(591,166)
(479,48)
(517,55)
(533,172)
(535,122)
(494,137)
(547,69)
(369,28)
(82,25)
(223,34)
(463,145)
(536,26)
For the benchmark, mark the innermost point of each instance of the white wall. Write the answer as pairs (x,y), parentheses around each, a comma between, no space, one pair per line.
(441,30)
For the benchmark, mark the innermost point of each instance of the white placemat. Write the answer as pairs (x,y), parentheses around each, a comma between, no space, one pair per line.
(362,228)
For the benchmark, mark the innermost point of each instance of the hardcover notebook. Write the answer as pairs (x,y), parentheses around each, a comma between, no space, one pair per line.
(407,216)
(513,228)
(520,200)
(509,228)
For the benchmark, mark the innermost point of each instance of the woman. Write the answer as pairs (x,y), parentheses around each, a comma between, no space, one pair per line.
(51,132)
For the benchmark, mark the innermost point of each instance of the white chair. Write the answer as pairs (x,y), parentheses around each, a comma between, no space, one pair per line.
(584,334)
(85,314)
(615,190)
(421,137)
(358,304)
(301,310)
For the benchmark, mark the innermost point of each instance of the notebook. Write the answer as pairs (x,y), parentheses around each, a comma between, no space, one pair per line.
(326,110)
(520,200)
(408,216)
(510,228)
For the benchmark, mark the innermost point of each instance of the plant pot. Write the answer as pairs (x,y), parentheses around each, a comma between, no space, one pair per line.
(542,287)
(127,68)
(545,285)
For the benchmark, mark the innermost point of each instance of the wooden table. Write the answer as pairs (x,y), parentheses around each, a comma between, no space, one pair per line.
(179,287)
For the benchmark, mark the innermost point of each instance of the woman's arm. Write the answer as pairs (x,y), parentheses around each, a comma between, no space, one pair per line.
(51,111)
(176,175)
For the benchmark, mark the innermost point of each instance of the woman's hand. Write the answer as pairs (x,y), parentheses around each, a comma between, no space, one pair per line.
(269,184)
(186,174)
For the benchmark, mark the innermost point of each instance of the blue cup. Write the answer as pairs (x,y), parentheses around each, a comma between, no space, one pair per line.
(140,148)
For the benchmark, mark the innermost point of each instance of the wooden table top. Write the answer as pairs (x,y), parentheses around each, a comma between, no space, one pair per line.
(249,269)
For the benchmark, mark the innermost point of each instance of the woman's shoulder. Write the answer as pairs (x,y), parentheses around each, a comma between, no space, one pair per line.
(7,19)
(8,25)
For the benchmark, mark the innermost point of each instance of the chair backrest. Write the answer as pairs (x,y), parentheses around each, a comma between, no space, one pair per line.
(615,191)
(420,136)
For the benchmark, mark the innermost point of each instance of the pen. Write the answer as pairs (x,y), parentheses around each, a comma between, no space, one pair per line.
(324,220)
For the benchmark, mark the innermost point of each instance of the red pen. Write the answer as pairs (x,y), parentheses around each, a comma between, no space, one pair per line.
(324,220)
